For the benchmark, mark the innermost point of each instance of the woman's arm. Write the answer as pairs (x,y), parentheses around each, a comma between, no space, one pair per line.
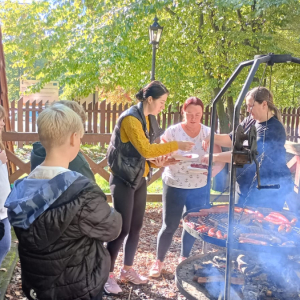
(218,166)
(223,157)
(136,135)
(222,140)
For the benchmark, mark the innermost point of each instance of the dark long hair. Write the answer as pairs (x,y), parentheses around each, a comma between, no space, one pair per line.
(155,89)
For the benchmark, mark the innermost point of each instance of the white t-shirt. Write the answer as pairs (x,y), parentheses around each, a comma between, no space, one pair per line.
(4,190)
(45,172)
(178,175)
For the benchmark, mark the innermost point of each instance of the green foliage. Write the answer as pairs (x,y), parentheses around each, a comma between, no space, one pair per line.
(89,45)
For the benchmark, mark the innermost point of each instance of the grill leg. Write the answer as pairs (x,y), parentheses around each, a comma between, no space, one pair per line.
(204,247)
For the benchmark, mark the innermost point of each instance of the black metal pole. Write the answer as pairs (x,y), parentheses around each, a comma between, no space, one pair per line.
(237,108)
(213,120)
(153,61)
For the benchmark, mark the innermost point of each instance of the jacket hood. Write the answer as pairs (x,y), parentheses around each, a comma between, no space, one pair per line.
(38,155)
(31,197)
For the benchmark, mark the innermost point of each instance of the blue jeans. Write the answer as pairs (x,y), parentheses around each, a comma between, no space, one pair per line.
(175,202)
(6,240)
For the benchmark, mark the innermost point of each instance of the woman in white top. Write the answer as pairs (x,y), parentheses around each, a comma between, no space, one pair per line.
(182,188)
(4,191)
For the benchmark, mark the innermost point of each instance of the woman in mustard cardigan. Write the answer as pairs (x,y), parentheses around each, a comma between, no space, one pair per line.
(132,142)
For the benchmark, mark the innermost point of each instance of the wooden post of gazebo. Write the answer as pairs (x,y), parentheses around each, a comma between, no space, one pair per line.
(4,99)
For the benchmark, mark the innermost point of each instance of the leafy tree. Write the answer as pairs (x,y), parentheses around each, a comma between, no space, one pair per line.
(104,45)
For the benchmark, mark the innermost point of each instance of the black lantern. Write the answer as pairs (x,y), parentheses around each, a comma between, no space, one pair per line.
(155,31)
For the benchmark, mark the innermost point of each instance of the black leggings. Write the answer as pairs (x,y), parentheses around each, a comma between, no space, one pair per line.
(175,202)
(131,204)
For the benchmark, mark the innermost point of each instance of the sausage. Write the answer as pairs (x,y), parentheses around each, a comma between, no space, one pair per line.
(288,228)
(262,237)
(204,229)
(252,241)
(274,220)
(211,232)
(219,234)
(199,227)
(294,221)
(281,228)
(279,216)
(259,215)
(248,211)
(238,209)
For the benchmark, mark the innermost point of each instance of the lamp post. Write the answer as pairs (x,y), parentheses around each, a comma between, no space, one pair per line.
(155,31)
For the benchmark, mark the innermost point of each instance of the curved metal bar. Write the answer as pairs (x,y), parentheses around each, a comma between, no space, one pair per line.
(213,120)
(236,115)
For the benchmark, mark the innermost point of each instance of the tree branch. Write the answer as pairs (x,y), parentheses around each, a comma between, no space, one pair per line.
(173,14)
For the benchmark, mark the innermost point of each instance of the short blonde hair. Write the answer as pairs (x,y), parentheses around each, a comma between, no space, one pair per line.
(56,123)
(75,107)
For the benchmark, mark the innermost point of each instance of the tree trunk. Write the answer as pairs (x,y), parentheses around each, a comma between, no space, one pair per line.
(223,118)
(230,110)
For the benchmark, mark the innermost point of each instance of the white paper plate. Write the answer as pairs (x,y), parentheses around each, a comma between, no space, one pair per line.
(196,170)
(186,157)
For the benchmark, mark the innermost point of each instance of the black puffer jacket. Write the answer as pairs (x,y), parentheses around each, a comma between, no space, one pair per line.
(62,253)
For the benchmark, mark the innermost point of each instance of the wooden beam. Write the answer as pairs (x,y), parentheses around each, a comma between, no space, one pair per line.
(34,137)
(156,175)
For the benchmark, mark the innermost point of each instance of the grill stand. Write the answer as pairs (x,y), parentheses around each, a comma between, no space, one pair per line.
(269,59)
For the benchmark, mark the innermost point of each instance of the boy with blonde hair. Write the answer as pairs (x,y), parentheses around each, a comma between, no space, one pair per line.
(61,218)
(79,163)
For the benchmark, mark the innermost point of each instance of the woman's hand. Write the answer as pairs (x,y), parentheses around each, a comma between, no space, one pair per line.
(3,157)
(160,161)
(164,161)
(185,146)
(205,159)
(205,143)
(171,161)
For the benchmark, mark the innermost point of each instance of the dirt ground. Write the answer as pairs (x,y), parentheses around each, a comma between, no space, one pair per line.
(157,289)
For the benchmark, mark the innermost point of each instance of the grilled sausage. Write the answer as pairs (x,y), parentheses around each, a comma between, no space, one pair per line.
(252,241)
(279,216)
(219,234)
(212,232)
(262,237)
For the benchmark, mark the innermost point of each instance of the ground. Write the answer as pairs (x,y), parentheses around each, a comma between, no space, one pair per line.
(157,289)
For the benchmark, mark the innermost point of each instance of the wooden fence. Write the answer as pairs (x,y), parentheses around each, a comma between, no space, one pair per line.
(101,120)
(103,116)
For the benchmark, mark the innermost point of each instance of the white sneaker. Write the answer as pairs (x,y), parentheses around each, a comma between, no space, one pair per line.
(111,286)
(132,276)
(156,268)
